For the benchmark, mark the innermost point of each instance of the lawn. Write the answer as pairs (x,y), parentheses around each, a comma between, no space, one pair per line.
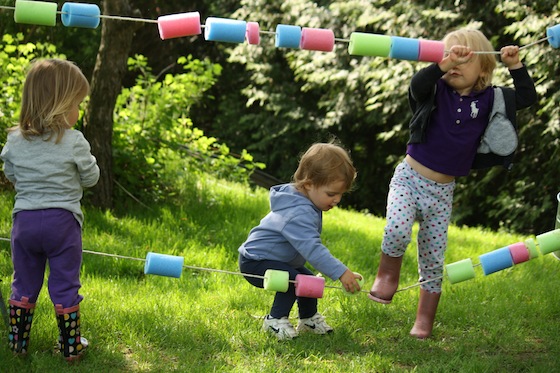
(210,319)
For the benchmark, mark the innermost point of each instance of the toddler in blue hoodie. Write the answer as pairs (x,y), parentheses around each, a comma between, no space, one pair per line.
(290,235)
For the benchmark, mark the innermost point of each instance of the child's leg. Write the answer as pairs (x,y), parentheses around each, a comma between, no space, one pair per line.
(21,319)
(283,302)
(432,243)
(72,345)
(426,314)
(401,213)
(28,257)
(63,245)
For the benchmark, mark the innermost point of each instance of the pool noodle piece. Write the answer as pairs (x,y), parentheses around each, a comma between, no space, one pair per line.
(164,265)
(308,286)
(431,51)
(225,30)
(35,13)
(287,36)
(317,39)
(553,34)
(276,280)
(532,248)
(364,44)
(80,15)
(179,25)
(404,48)
(460,271)
(549,241)
(519,252)
(496,260)
(252,33)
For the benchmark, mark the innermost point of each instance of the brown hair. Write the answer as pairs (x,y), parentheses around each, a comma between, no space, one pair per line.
(324,163)
(51,88)
(475,40)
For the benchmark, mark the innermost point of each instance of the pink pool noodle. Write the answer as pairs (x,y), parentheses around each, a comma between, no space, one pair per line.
(253,36)
(308,286)
(179,25)
(519,252)
(431,51)
(316,39)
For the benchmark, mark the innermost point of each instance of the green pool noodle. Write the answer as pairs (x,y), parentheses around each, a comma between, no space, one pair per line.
(35,13)
(363,44)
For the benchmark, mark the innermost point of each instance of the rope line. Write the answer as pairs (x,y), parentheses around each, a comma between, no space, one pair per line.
(153,21)
(233,272)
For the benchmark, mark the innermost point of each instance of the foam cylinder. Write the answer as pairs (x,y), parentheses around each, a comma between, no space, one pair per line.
(252,33)
(164,265)
(404,48)
(553,34)
(532,248)
(496,260)
(179,25)
(360,282)
(224,29)
(364,44)
(431,51)
(276,280)
(519,252)
(35,13)
(317,39)
(460,271)
(308,286)
(80,15)
(288,36)
(549,241)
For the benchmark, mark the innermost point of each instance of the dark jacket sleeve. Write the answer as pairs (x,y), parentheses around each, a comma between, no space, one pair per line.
(525,92)
(421,94)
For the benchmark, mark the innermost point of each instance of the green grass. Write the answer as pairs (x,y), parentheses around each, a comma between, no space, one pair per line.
(209,321)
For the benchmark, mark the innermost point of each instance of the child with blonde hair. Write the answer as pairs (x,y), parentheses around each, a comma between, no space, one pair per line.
(49,164)
(460,122)
(290,235)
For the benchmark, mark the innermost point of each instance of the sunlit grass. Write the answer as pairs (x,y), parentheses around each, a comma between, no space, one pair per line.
(210,321)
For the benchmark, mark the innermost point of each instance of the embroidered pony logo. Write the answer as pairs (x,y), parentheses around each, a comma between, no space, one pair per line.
(474,109)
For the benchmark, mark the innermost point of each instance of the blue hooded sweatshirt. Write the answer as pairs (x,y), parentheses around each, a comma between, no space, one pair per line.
(291,233)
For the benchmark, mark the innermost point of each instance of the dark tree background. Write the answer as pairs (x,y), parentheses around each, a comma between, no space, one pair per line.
(274,102)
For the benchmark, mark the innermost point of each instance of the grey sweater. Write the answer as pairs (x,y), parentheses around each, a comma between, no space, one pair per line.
(48,175)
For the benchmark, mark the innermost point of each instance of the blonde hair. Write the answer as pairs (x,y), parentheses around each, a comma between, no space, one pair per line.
(52,87)
(324,163)
(475,40)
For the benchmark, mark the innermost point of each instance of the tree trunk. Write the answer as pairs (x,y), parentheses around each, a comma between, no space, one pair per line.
(106,84)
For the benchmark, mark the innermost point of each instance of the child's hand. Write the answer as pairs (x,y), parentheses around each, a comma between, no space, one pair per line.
(510,57)
(349,281)
(458,54)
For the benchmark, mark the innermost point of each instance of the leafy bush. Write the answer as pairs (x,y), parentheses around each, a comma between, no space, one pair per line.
(153,129)
(15,56)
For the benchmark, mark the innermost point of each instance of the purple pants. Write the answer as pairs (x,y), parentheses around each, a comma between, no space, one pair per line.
(52,235)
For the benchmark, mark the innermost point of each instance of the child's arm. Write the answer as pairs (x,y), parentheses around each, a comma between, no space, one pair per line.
(458,55)
(423,82)
(525,92)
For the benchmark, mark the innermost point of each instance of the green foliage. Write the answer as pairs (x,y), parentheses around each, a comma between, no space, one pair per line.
(296,97)
(153,129)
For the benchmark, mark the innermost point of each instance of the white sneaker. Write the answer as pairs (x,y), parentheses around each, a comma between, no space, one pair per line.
(315,324)
(282,328)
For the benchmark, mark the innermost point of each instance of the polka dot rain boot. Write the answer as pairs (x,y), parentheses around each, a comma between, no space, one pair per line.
(71,343)
(21,318)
